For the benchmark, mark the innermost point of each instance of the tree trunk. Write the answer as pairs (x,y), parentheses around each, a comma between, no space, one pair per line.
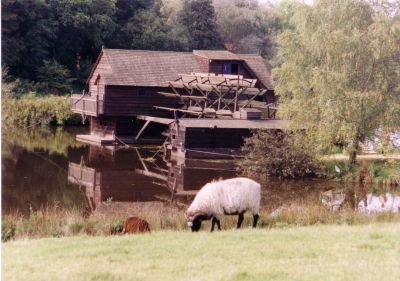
(353,151)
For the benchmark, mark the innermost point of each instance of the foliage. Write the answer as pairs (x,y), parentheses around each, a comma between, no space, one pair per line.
(30,111)
(247,27)
(117,228)
(7,230)
(378,172)
(340,74)
(54,76)
(50,42)
(198,16)
(279,154)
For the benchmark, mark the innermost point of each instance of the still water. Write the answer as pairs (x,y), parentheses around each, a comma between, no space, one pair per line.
(47,167)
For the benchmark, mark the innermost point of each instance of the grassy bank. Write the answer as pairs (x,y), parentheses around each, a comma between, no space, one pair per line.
(368,252)
(58,222)
(385,172)
(32,110)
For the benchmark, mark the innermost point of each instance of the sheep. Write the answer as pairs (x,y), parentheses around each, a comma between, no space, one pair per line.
(135,225)
(225,197)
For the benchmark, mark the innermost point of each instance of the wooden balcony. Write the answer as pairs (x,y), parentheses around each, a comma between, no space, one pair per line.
(87,105)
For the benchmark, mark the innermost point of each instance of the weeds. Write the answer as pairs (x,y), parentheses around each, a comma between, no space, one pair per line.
(55,222)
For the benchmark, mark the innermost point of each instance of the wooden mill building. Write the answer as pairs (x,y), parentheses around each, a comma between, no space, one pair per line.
(200,100)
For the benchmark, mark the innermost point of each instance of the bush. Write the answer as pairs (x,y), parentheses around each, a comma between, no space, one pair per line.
(117,228)
(275,153)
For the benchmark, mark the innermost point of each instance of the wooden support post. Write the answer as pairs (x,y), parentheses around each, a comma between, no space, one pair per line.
(142,129)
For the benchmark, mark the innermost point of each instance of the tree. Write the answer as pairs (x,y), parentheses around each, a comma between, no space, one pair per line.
(149,29)
(54,76)
(247,27)
(340,74)
(198,16)
(29,32)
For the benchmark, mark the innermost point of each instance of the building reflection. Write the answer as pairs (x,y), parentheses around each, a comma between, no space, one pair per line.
(139,175)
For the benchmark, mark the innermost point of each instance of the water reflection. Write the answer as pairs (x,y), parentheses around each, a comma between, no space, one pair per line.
(110,174)
(366,202)
(386,202)
(34,170)
(48,167)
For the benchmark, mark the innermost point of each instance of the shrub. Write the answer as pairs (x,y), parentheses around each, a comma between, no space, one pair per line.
(275,153)
(30,111)
(117,228)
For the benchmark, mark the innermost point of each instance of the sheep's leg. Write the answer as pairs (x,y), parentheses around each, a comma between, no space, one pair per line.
(240,220)
(255,219)
(213,222)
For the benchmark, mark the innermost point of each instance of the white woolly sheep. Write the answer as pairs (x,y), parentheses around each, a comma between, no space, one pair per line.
(226,197)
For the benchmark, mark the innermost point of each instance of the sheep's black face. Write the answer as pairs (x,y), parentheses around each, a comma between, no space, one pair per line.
(196,224)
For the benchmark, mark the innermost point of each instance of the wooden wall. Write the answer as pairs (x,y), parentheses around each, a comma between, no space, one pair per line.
(215,138)
(131,101)
(98,89)
(208,137)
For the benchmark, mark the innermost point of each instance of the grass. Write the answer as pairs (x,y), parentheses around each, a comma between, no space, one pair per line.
(58,222)
(369,252)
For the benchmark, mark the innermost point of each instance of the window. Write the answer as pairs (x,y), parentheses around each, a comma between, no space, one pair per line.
(235,68)
(142,92)
(230,68)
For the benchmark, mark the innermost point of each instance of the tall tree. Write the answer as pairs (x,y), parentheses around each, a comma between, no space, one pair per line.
(340,74)
(248,27)
(199,18)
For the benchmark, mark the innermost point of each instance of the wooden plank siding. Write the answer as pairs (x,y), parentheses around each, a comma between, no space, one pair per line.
(96,82)
(132,101)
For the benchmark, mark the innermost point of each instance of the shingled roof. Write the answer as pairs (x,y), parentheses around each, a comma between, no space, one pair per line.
(156,68)
(260,69)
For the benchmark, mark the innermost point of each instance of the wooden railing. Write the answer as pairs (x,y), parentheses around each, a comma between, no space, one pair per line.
(88,105)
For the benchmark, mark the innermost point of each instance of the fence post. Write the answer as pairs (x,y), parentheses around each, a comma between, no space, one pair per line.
(97,105)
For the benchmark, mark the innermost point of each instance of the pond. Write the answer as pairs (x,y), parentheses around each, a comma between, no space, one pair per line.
(48,167)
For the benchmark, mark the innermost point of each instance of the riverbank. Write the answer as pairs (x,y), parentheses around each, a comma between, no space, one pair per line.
(369,252)
(58,222)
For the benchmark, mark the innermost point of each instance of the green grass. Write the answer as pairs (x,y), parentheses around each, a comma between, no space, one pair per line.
(369,252)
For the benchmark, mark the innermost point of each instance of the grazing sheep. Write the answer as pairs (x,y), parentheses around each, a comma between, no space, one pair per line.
(135,225)
(226,197)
